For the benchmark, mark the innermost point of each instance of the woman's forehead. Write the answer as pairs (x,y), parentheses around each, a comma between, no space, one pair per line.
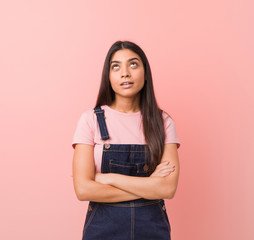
(124,54)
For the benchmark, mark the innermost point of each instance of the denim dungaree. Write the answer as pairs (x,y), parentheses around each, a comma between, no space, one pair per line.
(140,219)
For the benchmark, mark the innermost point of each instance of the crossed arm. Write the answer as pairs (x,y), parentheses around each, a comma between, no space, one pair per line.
(112,187)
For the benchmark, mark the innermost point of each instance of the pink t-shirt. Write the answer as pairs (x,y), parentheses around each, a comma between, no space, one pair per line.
(123,128)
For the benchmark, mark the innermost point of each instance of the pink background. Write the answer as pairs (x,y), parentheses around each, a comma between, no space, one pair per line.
(51,57)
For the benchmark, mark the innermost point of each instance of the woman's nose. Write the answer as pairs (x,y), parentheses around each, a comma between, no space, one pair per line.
(125,72)
(125,75)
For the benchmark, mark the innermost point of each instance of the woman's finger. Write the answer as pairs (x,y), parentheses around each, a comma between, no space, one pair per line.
(167,171)
(166,167)
(163,172)
(162,164)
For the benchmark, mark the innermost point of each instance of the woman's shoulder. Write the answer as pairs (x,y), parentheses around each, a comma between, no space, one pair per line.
(88,116)
(170,130)
(88,113)
(168,120)
(166,116)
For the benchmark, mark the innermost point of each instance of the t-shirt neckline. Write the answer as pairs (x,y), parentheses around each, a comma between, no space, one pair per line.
(122,113)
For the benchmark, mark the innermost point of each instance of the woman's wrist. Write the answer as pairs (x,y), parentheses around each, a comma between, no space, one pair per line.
(110,178)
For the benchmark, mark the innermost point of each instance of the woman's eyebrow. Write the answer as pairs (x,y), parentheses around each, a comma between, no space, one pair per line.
(128,60)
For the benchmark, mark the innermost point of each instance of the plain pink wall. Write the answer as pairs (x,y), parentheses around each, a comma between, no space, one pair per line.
(51,57)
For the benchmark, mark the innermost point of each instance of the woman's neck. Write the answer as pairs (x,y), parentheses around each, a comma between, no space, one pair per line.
(126,105)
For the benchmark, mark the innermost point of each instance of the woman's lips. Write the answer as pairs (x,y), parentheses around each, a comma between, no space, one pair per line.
(129,85)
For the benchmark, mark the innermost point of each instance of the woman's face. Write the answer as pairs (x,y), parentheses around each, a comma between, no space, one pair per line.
(127,75)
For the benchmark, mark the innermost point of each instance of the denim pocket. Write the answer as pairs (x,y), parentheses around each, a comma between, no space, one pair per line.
(126,168)
(164,214)
(91,210)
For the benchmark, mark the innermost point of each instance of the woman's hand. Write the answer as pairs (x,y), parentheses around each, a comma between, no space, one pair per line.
(163,169)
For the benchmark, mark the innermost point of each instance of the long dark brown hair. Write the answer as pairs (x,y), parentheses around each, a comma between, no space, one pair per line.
(153,124)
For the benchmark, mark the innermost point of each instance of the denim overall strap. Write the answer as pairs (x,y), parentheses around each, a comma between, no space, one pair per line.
(101,121)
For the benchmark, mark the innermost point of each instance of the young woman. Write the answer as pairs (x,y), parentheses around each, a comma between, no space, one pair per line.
(125,160)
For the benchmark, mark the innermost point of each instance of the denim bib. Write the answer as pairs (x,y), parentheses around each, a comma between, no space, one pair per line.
(140,219)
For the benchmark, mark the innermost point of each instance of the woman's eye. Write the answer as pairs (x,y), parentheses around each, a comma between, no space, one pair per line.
(113,66)
(134,63)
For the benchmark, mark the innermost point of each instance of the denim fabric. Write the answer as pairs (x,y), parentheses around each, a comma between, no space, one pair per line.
(102,124)
(140,219)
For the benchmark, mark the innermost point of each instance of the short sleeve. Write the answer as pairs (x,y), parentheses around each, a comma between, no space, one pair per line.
(170,130)
(84,132)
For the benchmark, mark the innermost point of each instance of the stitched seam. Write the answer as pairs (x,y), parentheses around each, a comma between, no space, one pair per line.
(90,218)
(100,119)
(110,167)
(132,220)
(132,154)
(121,165)
(101,126)
(136,204)
(102,163)
(104,126)
(163,215)
(101,129)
